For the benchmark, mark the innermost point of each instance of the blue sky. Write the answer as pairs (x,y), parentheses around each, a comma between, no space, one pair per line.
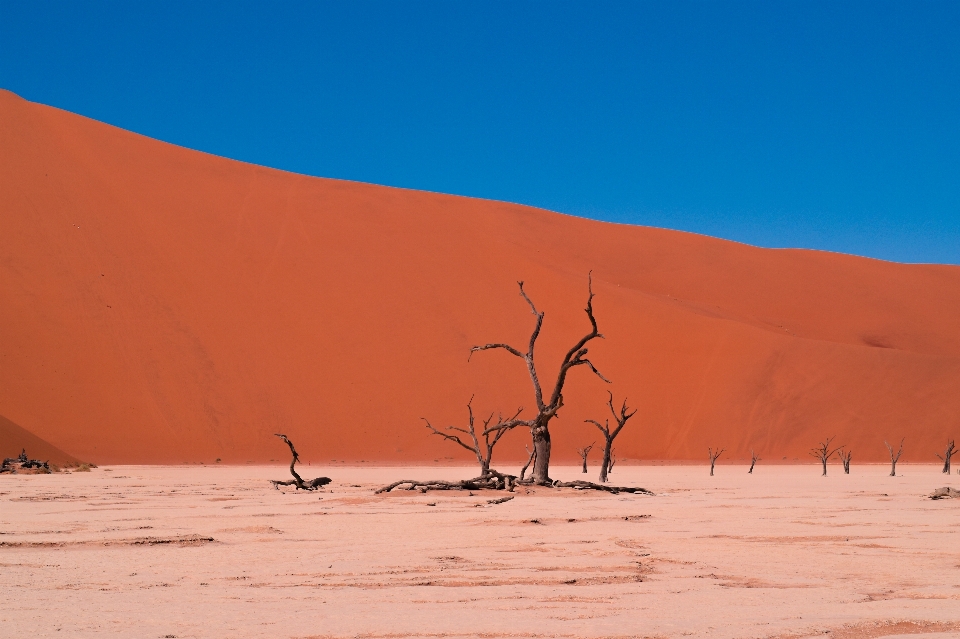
(833,125)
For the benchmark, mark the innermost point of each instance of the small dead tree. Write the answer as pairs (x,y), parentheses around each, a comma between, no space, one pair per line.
(823,452)
(608,436)
(713,457)
(845,456)
(22,462)
(753,462)
(488,478)
(947,454)
(297,481)
(483,451)
(583,452)
(613,460)
(547,408)
(894,458)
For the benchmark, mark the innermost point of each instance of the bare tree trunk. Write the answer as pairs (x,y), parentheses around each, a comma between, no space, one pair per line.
(947,454)
(605,464)
(541,463)
(894,458)
(753,462)
(713,457)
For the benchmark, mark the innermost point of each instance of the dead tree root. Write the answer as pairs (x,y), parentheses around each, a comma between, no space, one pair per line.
(493,481)
(589,485)
(499,481)
(313,484)
(297,481)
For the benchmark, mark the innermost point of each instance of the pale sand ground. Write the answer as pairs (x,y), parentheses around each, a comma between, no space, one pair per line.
(781,553)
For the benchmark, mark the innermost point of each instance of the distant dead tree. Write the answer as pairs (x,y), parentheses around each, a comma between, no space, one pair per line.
(613,460)
(947,454)
(621,418)
(482,451)
(845,456)
(714,454)
(894,458)
(753,462)
(583,452)
(823,452)
(297,481)
(547,408)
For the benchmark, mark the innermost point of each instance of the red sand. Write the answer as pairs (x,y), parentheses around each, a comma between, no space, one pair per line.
(217,552)
(14,439)
(164,305)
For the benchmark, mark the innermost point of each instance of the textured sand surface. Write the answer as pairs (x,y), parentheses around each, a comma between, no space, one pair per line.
(217,552)
(163,305)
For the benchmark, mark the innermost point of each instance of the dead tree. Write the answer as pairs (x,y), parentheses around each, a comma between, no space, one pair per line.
(894,458)
(22,462)
(713,457)
(484,451)
(613,460)
(297,481)
(621,418)
(845,456)
(547,408)
(823,452)
(753,462)
(583,452)
(947,454)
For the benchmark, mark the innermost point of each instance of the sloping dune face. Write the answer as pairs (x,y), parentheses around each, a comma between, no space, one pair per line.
(14,439)
(164,305)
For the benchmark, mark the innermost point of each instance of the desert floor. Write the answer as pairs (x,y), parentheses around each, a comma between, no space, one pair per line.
(152,551)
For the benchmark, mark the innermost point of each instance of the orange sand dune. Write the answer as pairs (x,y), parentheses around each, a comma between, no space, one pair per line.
(164,305)
(14,439)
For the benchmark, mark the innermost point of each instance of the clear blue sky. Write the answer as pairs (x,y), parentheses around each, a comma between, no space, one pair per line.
(823,125)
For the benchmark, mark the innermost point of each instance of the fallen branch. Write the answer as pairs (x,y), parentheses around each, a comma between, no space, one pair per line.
(297,480)
(491,481)
(589,485)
